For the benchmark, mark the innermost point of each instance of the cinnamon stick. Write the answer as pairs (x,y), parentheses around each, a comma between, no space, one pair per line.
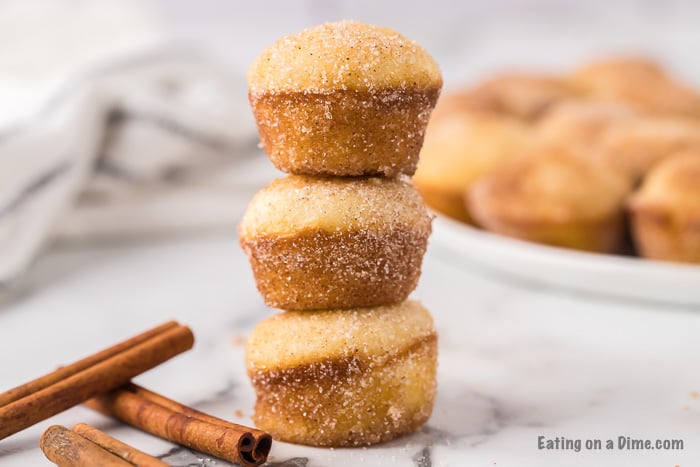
(118,448)
(181,424)
(106,370)
(258,447)
(67,449)
(66,371)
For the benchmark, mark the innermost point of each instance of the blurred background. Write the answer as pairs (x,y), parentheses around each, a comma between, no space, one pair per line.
(469,39)
(124,119)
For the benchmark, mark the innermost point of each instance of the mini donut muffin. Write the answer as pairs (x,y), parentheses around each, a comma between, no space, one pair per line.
(344,99)
(555,196)
(637,82)
(612,72)
(343,378)
(665,212)
(580,122)
(460,147)
(524,96)
(638,144)
(322,243)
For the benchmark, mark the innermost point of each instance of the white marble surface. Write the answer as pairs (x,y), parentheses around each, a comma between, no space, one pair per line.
(516,361)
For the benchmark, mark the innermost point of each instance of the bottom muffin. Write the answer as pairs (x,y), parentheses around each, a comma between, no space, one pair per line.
(343,377)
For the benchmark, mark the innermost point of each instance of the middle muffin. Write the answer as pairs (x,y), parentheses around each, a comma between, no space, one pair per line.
(330,243)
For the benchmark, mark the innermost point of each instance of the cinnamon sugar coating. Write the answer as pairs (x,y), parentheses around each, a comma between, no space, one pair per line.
(344,99)
(345,55)
(319,243)
(344,133)
(344,378)
(339,244)
(294,203)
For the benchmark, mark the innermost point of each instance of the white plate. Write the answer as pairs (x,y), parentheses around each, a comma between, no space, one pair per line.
(610,275)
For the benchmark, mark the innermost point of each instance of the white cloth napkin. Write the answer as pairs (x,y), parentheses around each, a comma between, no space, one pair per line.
(106,132)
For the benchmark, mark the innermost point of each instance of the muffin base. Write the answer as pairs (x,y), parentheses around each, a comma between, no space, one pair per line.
(349,402)
(346,132)
(604,236)
(657,236)
(319,270)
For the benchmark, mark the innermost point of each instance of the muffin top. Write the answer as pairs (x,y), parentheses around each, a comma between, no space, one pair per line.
(293,338)
(520,95)
(552,184)
(636,145)
(603,73)
(582,121)
(343,56)
(300,203)
(640,83)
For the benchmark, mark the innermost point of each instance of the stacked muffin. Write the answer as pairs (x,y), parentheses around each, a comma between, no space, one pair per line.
(339,243)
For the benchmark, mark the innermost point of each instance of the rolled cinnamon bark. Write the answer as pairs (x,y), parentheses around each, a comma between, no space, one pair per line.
(56,392)
(168,419)
(118,448)
(67,449)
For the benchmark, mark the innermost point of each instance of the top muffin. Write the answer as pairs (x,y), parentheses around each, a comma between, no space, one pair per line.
(346,55)
(344,99)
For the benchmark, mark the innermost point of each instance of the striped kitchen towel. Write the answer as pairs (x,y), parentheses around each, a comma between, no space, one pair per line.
(107,131)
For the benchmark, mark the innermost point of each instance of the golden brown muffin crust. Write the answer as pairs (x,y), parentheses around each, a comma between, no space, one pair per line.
(616,71)
(637,82)
(552,184)
(666,210)
(462,146)
(636,145)
(344,132)
(344,378)
(293,204)
(581,122)
(359,410)
(316,243)
(292,339)
(555,196)
(313,270)
(523,96)
(343,56)
(673,186)
(344,99)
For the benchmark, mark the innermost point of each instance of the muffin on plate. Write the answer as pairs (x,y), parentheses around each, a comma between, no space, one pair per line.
(556,196)
(636,145)
(640,83)
(581,122)
(519,95)
(461,146)
(665,211)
